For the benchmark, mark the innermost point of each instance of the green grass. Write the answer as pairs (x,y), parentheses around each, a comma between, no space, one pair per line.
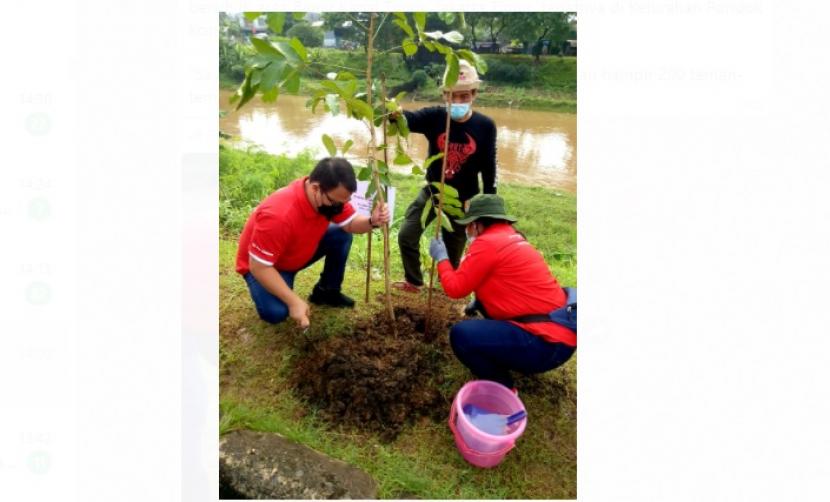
(256,358)
(551,86)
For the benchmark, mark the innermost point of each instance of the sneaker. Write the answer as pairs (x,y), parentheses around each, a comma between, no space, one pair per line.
(332,298)
(406,286)
(471,310)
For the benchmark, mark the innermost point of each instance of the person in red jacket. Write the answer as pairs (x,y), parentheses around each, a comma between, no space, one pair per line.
(295,226)
(510,279)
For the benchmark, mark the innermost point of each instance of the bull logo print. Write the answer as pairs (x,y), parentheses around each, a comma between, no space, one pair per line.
(458,154)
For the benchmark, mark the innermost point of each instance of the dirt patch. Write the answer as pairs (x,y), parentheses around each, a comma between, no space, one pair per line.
(375,380)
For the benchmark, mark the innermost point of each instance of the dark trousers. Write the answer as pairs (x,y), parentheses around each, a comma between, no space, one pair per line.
(491,349)
(335,246)
(409,239)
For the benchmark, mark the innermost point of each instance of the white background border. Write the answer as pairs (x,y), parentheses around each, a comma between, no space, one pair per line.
(703,237)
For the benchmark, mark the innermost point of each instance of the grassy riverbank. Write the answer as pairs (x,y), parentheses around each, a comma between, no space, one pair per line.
(256,358)
(514,81)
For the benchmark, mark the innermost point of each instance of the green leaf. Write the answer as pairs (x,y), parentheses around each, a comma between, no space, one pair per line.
(474,59)
(361,108)
(399,96)
(443,49)
(261,60)
(347,146)
(333,103)
(299,48)
(447,189)
(331,86)
(402,159)
(364,174)
(264,47)
(429,45)
(405,27)
(256,76)
(314,102)
(409,47)
(454,37)
(248,92)
(292,82)
(403,126)
(381,167)
(391,129)
(432,159)
(417,170)
(271,95)
(445,222)
(425,212)
(420,20)
(453,210)
(344,75)
(435,35)
(271,74)
(288,51)
(384,179)
(400,15)
(481,65)
(276,21)
(451,201)
(451,74)
(349,89)
(251,16)
(298,16)
(329,144)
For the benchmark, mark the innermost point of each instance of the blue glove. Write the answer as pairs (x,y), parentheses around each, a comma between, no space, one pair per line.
(438,250)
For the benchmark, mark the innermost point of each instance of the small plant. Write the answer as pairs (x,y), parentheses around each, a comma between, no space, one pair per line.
(281,61)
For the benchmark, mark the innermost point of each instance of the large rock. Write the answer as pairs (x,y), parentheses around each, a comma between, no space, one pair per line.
(259,465)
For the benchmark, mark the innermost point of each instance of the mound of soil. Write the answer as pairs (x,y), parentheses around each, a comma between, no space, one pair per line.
(378,381)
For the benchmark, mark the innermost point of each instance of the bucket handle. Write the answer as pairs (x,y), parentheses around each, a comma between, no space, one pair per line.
(463,446)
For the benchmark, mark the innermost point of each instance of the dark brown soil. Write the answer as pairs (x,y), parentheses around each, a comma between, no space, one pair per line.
(375,380)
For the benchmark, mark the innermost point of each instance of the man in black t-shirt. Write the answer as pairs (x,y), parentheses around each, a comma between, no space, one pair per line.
(472,151)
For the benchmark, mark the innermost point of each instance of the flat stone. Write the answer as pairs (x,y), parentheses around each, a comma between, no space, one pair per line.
(261,465)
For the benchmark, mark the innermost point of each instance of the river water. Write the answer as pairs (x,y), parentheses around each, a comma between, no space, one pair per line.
(534,147)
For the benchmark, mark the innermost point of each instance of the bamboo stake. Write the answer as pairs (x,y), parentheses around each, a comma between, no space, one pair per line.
(440,213)
(368,264)
(380,194)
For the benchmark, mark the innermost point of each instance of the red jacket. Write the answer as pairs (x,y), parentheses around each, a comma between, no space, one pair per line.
(510,278)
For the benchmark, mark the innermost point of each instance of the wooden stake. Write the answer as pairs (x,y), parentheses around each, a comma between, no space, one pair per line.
(373,147)
(439,215)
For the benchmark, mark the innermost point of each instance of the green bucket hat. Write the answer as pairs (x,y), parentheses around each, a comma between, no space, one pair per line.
(485,205)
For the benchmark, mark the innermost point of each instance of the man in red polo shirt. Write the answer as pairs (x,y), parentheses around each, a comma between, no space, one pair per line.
(510,279)
(293,228)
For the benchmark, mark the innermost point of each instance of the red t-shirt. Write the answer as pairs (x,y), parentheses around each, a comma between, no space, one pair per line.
(510,278)
(285,230)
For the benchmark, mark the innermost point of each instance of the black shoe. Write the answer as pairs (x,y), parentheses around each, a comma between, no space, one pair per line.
(332,298)
(471,310)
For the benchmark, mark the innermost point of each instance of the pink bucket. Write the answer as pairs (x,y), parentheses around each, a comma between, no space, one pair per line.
(476,446)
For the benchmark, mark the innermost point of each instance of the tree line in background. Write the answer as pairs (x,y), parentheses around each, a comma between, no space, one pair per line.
(536,33)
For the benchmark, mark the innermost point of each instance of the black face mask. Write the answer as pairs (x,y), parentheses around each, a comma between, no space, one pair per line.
(331,211)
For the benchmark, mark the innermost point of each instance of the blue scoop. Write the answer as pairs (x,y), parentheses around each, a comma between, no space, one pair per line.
(489,421)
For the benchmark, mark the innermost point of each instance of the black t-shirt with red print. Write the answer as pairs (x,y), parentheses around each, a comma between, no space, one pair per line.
(472,149)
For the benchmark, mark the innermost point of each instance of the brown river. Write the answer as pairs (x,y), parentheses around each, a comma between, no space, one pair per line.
(534,147)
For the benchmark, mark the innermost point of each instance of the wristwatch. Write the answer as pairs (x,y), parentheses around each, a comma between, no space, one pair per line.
(372,224)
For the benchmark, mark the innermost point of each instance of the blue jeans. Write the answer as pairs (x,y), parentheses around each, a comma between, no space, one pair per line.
(335,246)
(491,349)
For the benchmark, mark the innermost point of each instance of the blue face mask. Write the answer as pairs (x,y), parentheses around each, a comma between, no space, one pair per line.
(459,110)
